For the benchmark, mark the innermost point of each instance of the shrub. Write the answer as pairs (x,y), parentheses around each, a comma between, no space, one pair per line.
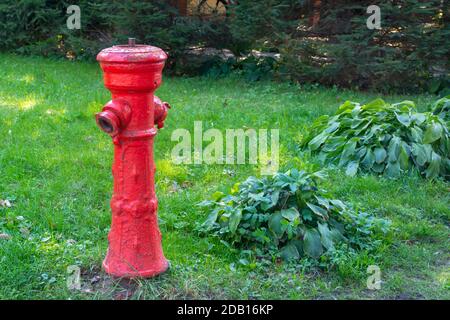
(383,139)
(441,108)
(250,68)
(326,42)
(39,27)
(287,215)
(409,52)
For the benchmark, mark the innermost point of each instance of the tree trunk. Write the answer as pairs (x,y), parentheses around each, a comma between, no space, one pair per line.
(314,18)
(182,7)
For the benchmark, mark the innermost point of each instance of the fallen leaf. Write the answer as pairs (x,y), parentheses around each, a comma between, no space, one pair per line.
(4,236)
(71,242)
(5,203)
(24,231)
(95,279)
(174,187)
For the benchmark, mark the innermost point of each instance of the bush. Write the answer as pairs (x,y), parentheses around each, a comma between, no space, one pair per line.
(383,139)
(288,216)
(409,52)
(39,27)
(441,108)
(326,42)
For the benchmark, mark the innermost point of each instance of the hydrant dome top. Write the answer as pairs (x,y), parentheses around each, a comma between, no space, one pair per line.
(132,54)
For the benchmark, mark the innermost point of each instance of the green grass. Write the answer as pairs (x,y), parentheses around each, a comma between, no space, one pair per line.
(55,167)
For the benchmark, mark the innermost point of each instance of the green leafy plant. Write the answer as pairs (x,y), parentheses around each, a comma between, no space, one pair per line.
(287,215)
(441,108)
(383,139)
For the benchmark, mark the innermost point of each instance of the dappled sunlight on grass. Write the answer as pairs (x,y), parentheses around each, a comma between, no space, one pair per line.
(54,112)
(35,134)
(48,246)
(444,278)
(168,170)
(28,78)
(26,103)
(94,107)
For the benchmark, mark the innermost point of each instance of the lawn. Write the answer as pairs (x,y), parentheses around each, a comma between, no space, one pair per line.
(55,169)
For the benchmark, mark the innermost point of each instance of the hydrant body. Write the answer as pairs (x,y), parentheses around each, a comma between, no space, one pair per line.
(132,73)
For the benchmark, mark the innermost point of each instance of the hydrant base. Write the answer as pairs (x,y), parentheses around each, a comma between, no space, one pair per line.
(136,274)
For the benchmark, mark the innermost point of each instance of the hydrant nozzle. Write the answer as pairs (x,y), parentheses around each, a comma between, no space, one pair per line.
(114,117)
(132,73)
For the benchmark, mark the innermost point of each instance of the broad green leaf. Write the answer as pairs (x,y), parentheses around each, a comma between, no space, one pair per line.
(404,156)
(380,154)
(446,164)
(315,143)
(312,244)
(393,169)
(318,210)
(416,134)
(336,235)
(298,244)
(422,153)
(235,218)
(368,160)
(376,105)
(334,143)
(338,226)
(212,218)
(355,123)
(325,235)
(307,214)
(419,118)
(289,252)
(372,132)
(403,118)
(433,133)
(205,203)
(361,152)
(338,204)
(434,167)
(378,167)
(352,168)
(347,106)
(216,196)
(275,196)
(332,127)
(363,127)
(235,188)
(394,149)
(290,214)
(323,202)
(349,152)
(275,224)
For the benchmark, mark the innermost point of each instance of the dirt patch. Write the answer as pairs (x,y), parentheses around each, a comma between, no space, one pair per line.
(95,281)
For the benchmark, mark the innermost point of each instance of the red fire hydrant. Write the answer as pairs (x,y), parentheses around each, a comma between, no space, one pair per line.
(132,73)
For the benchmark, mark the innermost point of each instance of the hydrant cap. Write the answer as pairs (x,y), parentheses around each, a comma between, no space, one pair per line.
(132,54)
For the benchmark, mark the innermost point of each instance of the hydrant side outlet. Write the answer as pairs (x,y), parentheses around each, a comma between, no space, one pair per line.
(132,73)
